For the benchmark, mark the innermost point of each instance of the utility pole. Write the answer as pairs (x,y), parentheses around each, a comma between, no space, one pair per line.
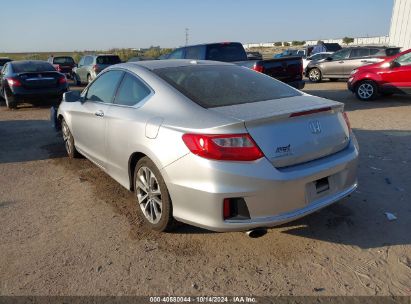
(187,29)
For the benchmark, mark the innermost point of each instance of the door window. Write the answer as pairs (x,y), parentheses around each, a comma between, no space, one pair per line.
(88,60)
(104,87)
(177,54)
(340,55)
(81,62)
(359,53)
(131,91)
(404,59)
(195,52)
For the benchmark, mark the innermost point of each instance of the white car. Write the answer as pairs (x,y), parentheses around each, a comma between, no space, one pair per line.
(315,57)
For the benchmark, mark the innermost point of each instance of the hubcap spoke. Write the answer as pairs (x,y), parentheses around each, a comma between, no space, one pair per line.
(149,194)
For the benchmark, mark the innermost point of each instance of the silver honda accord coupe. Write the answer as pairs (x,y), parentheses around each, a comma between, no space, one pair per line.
(212,144)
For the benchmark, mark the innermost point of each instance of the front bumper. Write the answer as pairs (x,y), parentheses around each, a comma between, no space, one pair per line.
(350,84)
(273,196)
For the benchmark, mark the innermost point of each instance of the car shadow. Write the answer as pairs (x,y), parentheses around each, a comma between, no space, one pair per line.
(29,140)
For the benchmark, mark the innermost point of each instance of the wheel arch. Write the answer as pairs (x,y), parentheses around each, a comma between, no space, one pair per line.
(132,162)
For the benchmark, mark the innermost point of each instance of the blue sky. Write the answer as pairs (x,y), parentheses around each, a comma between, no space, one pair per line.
(50,25)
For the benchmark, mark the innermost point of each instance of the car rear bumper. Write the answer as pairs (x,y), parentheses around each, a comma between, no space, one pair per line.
(299,84)
(273,196)
(38,94)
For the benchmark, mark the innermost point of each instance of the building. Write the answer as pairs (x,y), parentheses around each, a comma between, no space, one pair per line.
(400,32)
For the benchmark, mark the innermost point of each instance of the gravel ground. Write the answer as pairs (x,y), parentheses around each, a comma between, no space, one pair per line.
(69,229)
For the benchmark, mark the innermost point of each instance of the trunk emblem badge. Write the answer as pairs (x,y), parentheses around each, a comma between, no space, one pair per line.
(315,126)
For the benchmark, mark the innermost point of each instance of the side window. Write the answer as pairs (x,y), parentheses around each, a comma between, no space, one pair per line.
(81,62)
(195,52)
(360,53)
(88,60)
(341,55)
(374,51)
(104,87)
(131,91)
(177,54)
(404,59)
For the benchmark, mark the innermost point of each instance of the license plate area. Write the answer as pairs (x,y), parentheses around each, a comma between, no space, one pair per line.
(322,185)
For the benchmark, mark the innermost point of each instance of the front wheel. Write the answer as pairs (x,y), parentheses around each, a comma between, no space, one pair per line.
(152,196)
(366,90)
(69,141)
(315,75)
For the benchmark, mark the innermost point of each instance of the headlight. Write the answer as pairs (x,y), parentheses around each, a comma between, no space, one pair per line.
(353,72)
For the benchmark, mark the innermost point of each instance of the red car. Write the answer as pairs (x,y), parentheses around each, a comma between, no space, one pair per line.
(391,76)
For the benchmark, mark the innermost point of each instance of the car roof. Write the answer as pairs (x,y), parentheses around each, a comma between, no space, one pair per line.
(173,63)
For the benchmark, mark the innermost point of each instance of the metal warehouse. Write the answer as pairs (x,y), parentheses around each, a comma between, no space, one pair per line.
(400,33)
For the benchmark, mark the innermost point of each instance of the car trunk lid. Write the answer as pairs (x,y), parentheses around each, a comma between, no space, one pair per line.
(293,130)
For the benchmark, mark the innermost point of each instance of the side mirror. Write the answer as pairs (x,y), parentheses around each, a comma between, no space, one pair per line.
(72,96)
(394,64)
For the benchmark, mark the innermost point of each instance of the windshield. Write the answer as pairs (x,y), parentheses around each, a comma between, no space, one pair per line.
(225,85)
(32,66)
(63,60)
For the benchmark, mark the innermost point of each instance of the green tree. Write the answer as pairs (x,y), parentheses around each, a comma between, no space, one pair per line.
(286,44)
(348,40)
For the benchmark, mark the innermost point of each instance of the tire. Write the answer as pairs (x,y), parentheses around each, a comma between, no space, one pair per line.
(366,90)
(152,196)
(89,80)
(76,80)
(69,141)
(315,75)
(333,79)
(11,101)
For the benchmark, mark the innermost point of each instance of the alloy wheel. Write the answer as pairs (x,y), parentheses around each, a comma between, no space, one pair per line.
(67,138)
(149,194)
(365,91)
(315,75)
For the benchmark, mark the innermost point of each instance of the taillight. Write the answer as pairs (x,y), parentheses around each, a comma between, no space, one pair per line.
(13,82)
(234,147)
(347,121)
(95,68)
(258,68)
(57,67)
(62,80)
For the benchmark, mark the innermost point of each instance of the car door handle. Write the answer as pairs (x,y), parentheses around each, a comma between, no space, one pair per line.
(99,113)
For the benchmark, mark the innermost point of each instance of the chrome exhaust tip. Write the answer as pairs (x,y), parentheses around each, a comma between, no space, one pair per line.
(256,233)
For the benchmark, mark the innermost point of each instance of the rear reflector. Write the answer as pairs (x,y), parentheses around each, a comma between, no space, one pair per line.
(13,82)
(226,208)
(62,80)
(234,147)
(309,112)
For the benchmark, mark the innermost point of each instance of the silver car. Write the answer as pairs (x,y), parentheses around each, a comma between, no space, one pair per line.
(212,144)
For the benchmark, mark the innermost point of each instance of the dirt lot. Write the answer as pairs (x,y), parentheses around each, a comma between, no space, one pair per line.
(69,229)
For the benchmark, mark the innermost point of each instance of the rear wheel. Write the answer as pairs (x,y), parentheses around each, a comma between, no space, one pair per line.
(315,75)
(69,141)
(366,90)
(152,196)
(11,101)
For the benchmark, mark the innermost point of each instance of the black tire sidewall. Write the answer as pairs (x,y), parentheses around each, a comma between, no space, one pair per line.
(167,222)
(73,153)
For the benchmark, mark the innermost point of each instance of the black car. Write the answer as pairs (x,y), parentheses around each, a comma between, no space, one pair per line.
(32,81)
(3,61)
(63,64)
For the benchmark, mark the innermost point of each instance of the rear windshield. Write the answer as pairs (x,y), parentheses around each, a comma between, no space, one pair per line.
(32,66)
(218,86)
(4,61)
(63,60)
(108,60)
(226,52)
